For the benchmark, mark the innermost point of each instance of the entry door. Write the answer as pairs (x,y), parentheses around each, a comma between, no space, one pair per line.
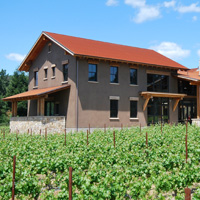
(187,109)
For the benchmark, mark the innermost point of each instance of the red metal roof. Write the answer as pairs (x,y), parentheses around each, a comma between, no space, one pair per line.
(93,48)
(36,93)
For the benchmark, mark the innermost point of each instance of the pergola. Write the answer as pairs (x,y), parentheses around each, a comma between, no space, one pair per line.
(39,94)
(148,95)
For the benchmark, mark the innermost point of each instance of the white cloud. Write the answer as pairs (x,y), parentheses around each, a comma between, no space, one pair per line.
(15,57)
(198,52)
(147,13)
(112,2)
(194,18)
(171,50)
(191,8)
(169,4)
(136,3)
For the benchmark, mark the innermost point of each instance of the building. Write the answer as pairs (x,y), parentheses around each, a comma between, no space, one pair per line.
(75,83)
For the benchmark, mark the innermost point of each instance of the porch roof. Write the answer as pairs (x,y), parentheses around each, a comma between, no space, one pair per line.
(148,95)
(36,93)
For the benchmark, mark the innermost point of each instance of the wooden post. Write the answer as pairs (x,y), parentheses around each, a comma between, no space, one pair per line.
(28,132)
(121,126)
(13,180)
(104,128)
(14,108)
(114,137)
(140,129)
(186,149)
(198,102)
(146,139)
(40,132)
(65,138)
(188,194)
(87,137)
(70,183)
(89,128)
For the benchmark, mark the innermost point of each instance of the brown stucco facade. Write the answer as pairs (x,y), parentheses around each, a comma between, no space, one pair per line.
(93,103)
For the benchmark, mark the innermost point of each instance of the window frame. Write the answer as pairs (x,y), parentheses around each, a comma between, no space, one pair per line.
(92,72)
(135,116)
(115,110)
(131,78)
(35,78)
(112,74)
(65,73)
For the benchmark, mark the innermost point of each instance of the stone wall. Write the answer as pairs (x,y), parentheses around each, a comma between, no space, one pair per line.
(54,124)
(196,122)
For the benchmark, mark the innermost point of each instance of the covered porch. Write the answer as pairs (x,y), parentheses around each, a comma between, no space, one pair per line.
(43,115)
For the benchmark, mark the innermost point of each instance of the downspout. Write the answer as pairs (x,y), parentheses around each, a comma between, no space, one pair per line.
(77,94)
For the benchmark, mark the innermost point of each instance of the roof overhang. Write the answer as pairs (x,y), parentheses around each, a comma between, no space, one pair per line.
(36,93)
(148,95)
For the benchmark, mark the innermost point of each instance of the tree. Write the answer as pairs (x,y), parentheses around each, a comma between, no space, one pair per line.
(18,83)
(4,81)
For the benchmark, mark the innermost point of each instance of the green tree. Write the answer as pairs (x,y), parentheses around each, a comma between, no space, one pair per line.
(4,81)
(18,83)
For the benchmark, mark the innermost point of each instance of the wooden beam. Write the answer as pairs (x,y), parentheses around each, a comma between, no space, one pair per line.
(14,108)
(146,102)
(42,101)
(176,104)
(162,94)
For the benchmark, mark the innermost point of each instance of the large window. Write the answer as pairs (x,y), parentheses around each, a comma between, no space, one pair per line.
(133,109)
(92,72)
(113,74)
(158,110)
(185,88)
(36,78)
(113,108)
(157,83)
(49,108)
(65,72)
(133,76)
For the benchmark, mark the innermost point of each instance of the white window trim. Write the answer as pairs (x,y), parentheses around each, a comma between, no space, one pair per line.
(134,98)
(53,65)
(114,97)
(45,67)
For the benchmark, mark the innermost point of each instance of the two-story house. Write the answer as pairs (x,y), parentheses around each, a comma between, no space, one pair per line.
(75,83)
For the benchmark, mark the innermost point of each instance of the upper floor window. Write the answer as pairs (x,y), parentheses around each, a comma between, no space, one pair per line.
(36,78)
(92,72)
(133,76)
(45,73)
(157,83)
(53,71)
(65,72)
(114,74)
(185,88)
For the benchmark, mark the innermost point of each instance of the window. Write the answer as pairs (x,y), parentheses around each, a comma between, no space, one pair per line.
(185,88)
(113,108)
(92,72)
(157,83)
(45,73)
(57,109)
(133,76)
(65,72)
(53,71)
(133,109)
(113,74)
(36,78)
(49,108)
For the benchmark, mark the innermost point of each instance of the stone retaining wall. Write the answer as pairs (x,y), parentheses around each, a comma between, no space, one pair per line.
(54,124)
(196,122)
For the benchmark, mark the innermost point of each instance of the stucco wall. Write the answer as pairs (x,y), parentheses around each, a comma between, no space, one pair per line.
(65,98)
(53,124)
(94,103)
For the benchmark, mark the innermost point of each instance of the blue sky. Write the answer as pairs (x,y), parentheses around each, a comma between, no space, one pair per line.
(171,27)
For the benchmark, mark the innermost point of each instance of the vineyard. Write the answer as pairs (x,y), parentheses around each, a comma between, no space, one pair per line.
(138,166)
